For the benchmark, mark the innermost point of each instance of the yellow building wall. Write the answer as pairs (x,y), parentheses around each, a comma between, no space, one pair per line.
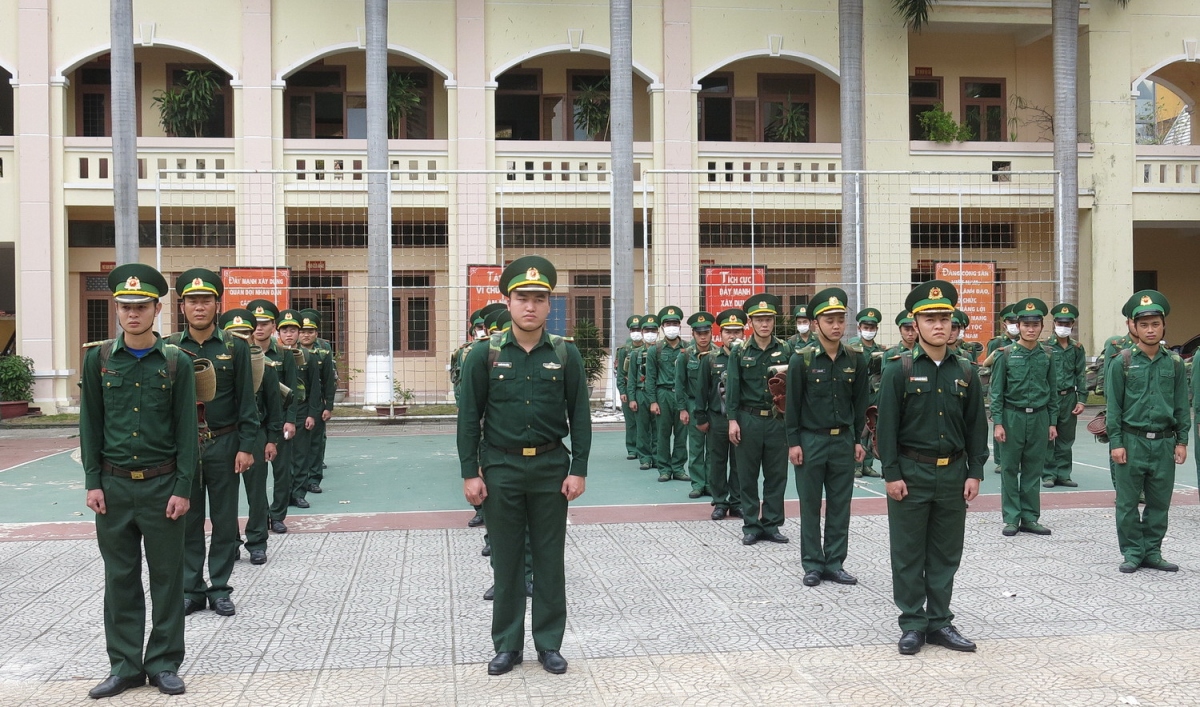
(1173,254)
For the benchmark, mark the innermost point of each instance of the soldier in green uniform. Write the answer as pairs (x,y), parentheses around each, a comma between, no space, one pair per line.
(868,329)
(232,418)
(522,394)
(959,324)
(321,398)
(621,374)
(298,377)
(639,401)
(282,365)
(908,336)
(138,445)
(803,336)
(1022,388)
(687,390)
(1012,329)
(1070,372)
(1010,333)
(1148,423)
(827,396)
(660,389)
(756,425)
(712,417)
(478,332)
(932,444)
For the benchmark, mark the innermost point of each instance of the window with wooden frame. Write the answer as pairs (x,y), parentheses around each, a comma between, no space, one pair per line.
(98,315)
(519,106)
(983,108)
(591,299)
(6,103)
(315,103)
(221,123)
(93,98)
(786,105)
(413,126)
(714,108)
(413,326)
(924,94)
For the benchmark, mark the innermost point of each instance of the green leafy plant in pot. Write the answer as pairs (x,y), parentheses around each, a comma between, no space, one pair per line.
(591,348)
(184,110)
(16,385)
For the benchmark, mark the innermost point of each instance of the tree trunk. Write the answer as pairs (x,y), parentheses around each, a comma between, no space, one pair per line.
(1066,145)
(124,132)
(379,241)
(621,120)
(850,41)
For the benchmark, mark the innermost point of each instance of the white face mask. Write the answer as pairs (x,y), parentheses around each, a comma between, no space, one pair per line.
(867,335)
(1062,332)
(650,337)
(801,328)
(671,332)
(1012,329)
(635,335)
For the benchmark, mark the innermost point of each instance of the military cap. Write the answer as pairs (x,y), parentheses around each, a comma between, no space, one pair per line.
(1030,308)
(496,318)
(828,301)
(904,317)
(476,318)
(670,314)
(133,283)
(800,311)
(650,321)
(312,314)
(763,303)
(307,321)
(932,296)
(701,320)
(960,318)
(264,310)
(288,317)
(1146,303)
(530,272)
(869,315)
(633,322)
(199,281)
(732,318)
(1065,310)
(1008,312)
(236,319)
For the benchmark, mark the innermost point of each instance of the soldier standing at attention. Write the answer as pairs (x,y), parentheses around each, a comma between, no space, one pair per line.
(959,324)
(272,413)
(712,417)
(1148,421)
(908,336)
(803,336)
(660,389)
(1070,373)
(478,332)
(137,442)
(1012,329)
(932,444)
(328,366)
(621,374)
(827,395)
(687,390)
(233,424)
(639,401)
(1022,389)
(756,424)
(297,376)
(868,329)
(524,392)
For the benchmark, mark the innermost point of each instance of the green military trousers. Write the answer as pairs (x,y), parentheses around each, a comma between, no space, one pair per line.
(301,462)
(1024,459)
(316,455)
(631,449)
(722,465)
(763,447)
(866,466)
(281,470)
(697,454)
(646,437)
(217,484)
(828,467)
(525,499)
(926,537)
(1058,453)
(672,435)
(136,516)
(254,480)
(1150,469)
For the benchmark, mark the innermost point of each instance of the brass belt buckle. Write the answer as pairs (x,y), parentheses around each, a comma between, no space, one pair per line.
(835,431)
(764,413)
(1151,435)
(943,461)
(1029,410)
(137,475)
(529,451)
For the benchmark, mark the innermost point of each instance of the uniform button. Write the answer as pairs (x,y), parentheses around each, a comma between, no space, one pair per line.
(135,409)
(939,390)
(135,434)
(137,385)
(135,456)
(526,402)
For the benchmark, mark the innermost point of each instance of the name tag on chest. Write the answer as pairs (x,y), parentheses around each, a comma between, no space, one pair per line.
(919,379)
(502,364)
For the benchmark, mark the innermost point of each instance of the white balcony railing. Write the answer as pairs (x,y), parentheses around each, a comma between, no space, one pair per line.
(88,160)
(415,164)
(1167,168)
(569,166)
(770,163)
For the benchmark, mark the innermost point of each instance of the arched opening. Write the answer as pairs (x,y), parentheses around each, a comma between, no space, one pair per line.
(769,99)
(1166,99)
(158,70)
(327,98)
(563,96)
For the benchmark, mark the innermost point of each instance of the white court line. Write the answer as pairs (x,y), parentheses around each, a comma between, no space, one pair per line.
(1105,468)
(870,490)
(31,461)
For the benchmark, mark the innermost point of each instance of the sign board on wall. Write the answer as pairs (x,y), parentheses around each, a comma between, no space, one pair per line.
(729,286)
(483,287)
(976,284)
(242,285)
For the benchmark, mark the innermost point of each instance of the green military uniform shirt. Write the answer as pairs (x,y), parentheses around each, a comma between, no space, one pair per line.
(620,361)
(1151,396)
(289,375)
(660,367)
(1070,368)
(710,389)
(636,376)
(747,382)
(234,403)
(1023,378)
(825,393)
(269,402)
(687,376)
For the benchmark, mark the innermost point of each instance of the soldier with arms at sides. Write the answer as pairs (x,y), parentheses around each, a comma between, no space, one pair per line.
(639,396)
(687,391)
(712,417)
(293,454)
(868,329)
(664,407)
(1070,375)
(803,336)
(311,340)
(621,373)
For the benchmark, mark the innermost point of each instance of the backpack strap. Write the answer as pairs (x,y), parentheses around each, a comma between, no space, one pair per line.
(1126,359)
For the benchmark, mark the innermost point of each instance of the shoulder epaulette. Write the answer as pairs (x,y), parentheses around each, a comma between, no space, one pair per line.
(568,339)
(856,348)
(93,344)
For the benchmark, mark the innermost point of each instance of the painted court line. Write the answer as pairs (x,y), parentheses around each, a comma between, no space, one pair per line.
(31,461)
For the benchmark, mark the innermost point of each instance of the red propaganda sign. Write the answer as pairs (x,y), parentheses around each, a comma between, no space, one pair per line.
(976,284)
(245,284)
(107,265)
(483,286)
(728,287)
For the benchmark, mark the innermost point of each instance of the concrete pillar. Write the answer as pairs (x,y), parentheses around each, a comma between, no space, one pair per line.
(260,240)
(676,244)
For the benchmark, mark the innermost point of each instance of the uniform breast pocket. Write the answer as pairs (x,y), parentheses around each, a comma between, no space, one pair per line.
(1166,381)
(159,386)
(912,387)
(502,384)
(1135,382)
(549,384)
(113,385)
(693,365)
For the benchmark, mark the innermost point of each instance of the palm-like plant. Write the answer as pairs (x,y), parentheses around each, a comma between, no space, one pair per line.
(789,123)
(592,109)
(185,110)
(402,99)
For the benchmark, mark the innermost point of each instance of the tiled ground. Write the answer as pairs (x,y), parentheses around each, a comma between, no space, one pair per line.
(660,613)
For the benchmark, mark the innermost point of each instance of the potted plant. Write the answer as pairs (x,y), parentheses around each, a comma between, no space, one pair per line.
(402,99)
(16,385)
(591,107)
(401,398)
(940,126)
(789,124)
(591,348)
(185,110)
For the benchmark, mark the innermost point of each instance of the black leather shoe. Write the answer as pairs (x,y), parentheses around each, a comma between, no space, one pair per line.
(223,606)
(477,520)
(487,550)
(812,579)
(553,662)
(314,487)
(258,557)
(1128,567)
(719,513)
(168,683)
(694,494)
(735,513)
(749,538)
(776,537)
(278,527)
(840,577)
(1160,564)
(1068,483)
(1034,528)
(1047,484)
(300,502)
(490,594)
(949,637)
(643,466)
(664,477)
(114,685)
(631,456)
(191,606)
(504,662)
(911,642)
(529,589)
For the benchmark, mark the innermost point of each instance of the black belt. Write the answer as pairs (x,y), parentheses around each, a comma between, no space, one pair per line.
(831,431)
(139,474)
(1028,411)
(1067,391)
(221,431)
(759,412)
(532,451)
(1149,434)
(938,461)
